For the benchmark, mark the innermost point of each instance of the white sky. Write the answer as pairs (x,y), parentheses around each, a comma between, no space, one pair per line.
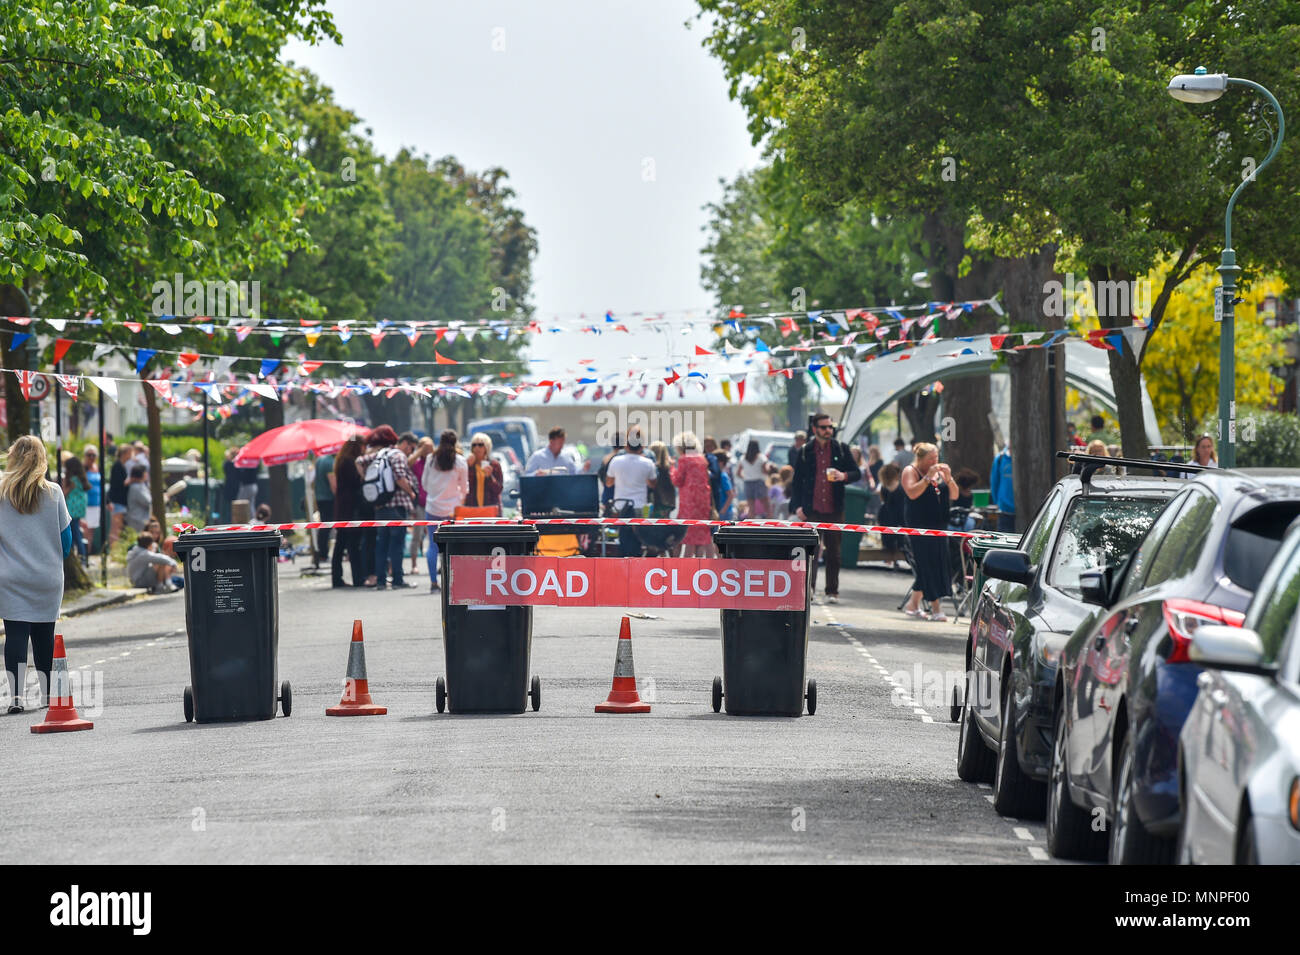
(581,98)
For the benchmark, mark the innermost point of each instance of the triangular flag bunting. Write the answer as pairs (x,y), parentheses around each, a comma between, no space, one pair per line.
(61,346)
(71,384)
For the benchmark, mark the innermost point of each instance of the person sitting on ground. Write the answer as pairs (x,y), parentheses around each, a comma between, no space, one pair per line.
(166,545)
(146,567)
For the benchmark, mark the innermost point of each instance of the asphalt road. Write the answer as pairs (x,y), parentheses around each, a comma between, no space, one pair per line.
(870,778)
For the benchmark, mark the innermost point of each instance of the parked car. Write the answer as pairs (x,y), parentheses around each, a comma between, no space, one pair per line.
(1126,681)
(782,441)
(1023,616)
(1239,751)
(509,474)
(517,432)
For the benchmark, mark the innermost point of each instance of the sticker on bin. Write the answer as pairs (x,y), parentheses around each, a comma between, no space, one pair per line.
(718,584)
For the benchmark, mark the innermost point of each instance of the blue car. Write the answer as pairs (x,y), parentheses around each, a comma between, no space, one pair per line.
(1126,682)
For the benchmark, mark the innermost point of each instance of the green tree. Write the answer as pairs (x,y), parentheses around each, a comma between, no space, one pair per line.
(142,142)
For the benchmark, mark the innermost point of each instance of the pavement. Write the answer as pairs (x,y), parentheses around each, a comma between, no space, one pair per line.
(870,778)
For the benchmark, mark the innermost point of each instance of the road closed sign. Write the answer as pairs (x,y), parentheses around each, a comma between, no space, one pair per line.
(723,584)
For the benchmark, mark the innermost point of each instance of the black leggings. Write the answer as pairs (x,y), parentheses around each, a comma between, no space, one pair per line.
(41,635)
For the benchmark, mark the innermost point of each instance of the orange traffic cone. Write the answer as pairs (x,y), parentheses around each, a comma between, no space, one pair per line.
(356,689)
(62,716)
(623,697)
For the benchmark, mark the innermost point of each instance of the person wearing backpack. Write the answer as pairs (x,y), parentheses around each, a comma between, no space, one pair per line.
(386,482)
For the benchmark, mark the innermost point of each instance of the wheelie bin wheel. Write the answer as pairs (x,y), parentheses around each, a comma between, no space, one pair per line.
(189,705)
(954,711)
(811,697)
(440,694)
(717,694)
(536,693)
(286,698)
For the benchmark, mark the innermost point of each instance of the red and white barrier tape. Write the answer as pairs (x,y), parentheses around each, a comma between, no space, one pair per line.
(587,522)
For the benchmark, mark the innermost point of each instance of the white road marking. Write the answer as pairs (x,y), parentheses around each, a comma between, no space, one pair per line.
(1038,854)
(98,662)
(1023,833)
(990,799)
(125,654)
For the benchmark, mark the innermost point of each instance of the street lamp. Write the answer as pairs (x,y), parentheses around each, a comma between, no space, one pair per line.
(1203,87)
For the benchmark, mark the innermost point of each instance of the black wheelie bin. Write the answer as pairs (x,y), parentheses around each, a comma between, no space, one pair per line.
(487,649)
(232,618)
(764,652)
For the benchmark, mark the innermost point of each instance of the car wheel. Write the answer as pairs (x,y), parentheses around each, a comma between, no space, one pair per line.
(1247,848)
(1014,793)
(1070,834)
(974,759)
(1130,841)
(1183,852)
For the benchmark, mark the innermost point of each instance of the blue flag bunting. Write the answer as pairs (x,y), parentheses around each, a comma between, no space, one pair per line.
(142,357)
(19,338)
(269,365)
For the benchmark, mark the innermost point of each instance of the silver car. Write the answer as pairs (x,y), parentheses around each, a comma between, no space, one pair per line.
(1239,751)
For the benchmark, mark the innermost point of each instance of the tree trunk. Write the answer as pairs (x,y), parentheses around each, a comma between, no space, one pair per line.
(796,391)
(74,575)
(920,411)
(16,409)
(968,436)
(1125,373)
(155,450)
(278,476)
(966,432)
(1037,414)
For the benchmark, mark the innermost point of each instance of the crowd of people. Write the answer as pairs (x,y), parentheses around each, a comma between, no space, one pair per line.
(392,477)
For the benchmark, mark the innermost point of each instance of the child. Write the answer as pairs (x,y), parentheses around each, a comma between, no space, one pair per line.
(891,507)
(776,500)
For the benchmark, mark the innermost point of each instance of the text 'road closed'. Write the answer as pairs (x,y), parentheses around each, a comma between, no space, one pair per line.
(725,584)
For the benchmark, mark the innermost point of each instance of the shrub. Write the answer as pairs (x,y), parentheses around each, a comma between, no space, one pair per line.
(1268,439)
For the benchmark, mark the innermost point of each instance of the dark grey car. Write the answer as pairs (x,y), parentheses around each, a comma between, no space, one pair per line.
(1024,616)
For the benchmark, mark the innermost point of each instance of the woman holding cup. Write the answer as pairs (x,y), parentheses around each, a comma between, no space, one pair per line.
(929,489)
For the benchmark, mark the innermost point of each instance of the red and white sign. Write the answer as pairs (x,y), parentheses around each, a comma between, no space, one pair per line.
(724,584)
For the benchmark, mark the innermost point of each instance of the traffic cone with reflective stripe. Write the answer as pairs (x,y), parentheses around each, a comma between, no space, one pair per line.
(356,689)
(62,716)
(623,697)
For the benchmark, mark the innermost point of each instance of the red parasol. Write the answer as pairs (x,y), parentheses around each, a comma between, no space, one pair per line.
(293,442)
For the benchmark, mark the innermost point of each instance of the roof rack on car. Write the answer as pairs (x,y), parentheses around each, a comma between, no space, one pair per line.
(1092,463)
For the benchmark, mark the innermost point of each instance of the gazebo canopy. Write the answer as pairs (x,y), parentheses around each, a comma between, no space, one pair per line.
(881,382)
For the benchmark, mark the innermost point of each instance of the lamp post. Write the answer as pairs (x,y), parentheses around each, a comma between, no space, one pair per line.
(1203,87)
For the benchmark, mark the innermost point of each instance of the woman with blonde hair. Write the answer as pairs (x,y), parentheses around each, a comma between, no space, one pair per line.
(35,537)
(929,490)
(484,474)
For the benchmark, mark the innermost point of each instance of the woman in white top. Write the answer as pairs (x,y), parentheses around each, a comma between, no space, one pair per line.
(753,472)
(1204,454)
(445,482)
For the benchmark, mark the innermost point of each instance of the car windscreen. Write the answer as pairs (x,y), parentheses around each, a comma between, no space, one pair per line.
(1100,531)
(1253,540)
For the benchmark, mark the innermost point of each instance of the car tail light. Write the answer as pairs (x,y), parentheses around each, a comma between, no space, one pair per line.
(1184,616)
(1293,804)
